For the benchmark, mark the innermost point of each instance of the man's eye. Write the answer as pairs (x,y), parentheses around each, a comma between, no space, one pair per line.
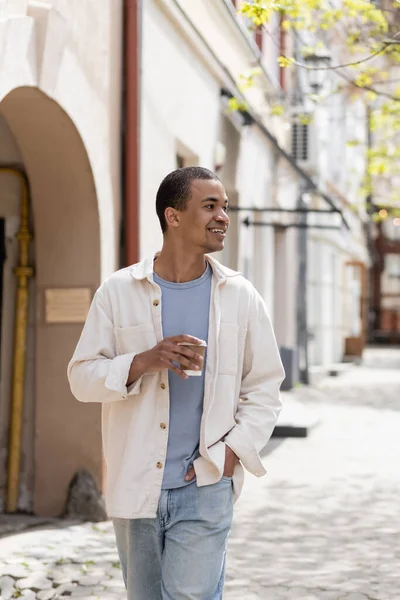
(226,209)
(210,206)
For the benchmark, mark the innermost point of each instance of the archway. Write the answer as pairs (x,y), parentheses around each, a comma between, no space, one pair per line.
(65,221)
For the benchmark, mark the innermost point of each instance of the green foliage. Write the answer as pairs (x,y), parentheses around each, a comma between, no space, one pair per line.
(86,565)
(305,118)
(369,41)
(234,104)
(278,110)
(247,80)
(285,62)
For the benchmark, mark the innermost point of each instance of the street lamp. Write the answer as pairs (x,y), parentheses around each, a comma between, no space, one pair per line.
(317,64)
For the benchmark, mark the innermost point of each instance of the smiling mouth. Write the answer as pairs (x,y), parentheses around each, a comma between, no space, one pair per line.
(218,231)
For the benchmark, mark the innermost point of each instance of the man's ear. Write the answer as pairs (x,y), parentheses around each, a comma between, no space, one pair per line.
(172,217)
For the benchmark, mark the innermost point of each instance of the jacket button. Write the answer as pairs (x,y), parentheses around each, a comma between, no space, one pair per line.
(159,465)
(163,426)
(163,386)
(156,302)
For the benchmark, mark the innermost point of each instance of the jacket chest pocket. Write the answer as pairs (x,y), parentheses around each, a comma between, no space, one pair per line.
(230,347)
(134,339)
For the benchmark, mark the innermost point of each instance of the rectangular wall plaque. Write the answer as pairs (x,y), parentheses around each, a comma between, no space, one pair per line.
(67,305)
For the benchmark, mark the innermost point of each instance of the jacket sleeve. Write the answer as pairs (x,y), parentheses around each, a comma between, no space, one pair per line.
(260,402)
(95,372)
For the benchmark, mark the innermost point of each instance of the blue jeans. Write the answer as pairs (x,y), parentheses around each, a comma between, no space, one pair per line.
(179,555)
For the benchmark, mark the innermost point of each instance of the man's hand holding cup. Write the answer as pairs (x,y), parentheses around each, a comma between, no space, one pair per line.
(186,350)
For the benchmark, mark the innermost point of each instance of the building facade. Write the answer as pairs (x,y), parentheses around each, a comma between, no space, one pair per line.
(60,97)
(68,95)
(193,56)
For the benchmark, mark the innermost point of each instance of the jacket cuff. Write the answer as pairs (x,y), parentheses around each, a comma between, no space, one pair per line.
(209,470)
(245,451)
(118,375)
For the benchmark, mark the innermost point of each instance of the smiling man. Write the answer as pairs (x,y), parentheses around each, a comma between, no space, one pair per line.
(176,445)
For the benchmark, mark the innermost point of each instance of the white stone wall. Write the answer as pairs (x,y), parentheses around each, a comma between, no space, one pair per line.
(71,50)
(333,294)
(182,107)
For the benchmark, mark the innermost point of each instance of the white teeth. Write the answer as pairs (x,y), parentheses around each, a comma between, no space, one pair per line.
(217,230)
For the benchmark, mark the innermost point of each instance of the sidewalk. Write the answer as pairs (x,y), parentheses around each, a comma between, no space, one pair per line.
(321,525)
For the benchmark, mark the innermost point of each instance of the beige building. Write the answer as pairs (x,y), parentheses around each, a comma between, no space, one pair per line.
(60,70)
(62,102)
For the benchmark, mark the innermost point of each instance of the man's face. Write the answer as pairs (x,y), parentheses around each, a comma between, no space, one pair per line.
(204,222)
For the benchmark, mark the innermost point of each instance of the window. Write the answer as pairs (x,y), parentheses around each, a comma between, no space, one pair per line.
(300,141)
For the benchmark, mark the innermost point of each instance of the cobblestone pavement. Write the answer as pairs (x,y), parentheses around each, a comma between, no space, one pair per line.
(76,560)
(322,525)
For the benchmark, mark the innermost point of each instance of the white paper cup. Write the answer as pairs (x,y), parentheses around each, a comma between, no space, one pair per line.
(200,349)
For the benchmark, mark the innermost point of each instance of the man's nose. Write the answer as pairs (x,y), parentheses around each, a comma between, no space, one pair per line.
(222,217)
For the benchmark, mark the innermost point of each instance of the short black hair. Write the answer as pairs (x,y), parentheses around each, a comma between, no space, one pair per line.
(174,190)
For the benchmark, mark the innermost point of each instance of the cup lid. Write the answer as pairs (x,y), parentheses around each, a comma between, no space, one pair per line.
(203,344)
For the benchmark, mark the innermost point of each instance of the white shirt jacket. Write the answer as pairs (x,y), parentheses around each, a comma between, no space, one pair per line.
(242,380)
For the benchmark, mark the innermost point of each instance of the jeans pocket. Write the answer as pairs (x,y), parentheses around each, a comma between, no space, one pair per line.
(226,478)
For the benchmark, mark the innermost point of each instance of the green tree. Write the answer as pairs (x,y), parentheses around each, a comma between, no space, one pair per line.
(366,39)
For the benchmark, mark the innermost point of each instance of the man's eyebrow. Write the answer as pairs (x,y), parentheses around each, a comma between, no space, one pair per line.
(212,199)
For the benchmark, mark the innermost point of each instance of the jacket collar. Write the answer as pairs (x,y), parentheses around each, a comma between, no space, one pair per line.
(144,269)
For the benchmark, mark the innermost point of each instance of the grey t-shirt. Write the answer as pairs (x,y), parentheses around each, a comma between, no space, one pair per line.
(185,310)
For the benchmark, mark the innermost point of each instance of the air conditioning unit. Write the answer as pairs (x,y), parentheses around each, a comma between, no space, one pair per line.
(302,143)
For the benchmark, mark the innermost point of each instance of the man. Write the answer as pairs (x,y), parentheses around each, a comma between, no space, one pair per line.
(175,446)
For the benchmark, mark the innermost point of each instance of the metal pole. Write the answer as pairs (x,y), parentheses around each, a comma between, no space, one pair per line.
(373,272)
(302,322)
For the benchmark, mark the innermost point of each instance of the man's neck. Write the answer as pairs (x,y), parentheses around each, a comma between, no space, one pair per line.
(179,268)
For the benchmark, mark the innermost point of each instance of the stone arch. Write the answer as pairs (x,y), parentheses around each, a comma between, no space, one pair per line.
(67,255)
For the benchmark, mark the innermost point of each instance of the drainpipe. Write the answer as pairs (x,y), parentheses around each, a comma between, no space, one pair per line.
(131,166)
(23,272)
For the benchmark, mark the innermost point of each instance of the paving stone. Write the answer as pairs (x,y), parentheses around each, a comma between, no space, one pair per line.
(17,570)
(87,580)
(66,573)
(78,592)
(7,587)
(114,584)
(35,582)
(89,597)
(28,595)
(65,589)
(46,594)
(115,572)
